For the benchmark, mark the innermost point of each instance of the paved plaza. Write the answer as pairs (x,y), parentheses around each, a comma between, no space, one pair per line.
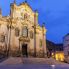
(32,63)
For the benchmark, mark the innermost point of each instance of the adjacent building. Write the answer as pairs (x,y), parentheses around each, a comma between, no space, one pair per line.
(20,32)
(55,50)
(66,46)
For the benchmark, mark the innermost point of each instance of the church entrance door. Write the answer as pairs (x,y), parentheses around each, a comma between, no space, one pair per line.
(24,50)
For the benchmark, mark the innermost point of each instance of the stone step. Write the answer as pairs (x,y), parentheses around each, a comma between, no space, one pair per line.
(11,61)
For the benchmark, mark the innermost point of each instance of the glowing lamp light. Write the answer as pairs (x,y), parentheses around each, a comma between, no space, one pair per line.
(59,56)
(53,66)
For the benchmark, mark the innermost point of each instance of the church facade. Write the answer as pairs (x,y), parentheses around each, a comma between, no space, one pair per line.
(20,32)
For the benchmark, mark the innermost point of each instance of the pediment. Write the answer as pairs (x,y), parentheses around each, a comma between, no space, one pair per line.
(23,6)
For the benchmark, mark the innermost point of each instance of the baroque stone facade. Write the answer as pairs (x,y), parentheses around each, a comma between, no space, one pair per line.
(20,32)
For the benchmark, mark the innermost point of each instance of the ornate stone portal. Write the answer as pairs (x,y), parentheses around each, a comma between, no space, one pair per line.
(22,33)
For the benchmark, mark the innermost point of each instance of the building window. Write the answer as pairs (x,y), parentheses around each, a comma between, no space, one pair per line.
(22,15)
(40,43)
(17,32)
(25,16)
(68,53)
(31,34)
(2,38)
(25,31)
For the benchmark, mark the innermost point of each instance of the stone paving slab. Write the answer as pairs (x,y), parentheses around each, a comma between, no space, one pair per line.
(32,63)
(21,60)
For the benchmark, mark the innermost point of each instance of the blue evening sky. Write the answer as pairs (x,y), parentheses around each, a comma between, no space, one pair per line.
(55,13)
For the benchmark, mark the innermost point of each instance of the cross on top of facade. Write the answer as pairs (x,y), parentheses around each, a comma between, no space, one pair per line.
(14,1)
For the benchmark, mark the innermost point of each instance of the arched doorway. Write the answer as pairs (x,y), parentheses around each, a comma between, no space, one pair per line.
(24,50)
